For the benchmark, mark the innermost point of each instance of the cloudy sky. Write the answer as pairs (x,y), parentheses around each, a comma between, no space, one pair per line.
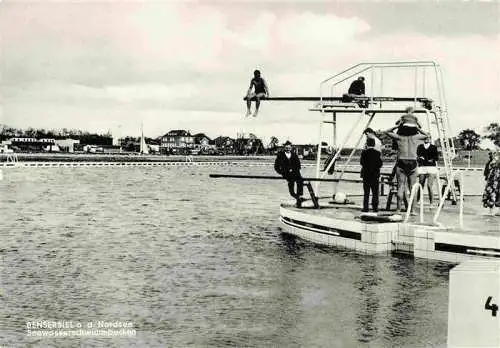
(186,65)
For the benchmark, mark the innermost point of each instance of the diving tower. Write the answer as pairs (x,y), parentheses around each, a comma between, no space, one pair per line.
(392,87)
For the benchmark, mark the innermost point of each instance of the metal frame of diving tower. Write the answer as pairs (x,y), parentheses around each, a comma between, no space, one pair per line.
(430,103)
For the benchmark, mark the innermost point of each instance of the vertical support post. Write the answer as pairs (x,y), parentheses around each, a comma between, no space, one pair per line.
(438,181)
(318,155)
(372,69)
(429,129)
(381,83)
(416,188)
(423,81)
(461,207)
(314,198)
(334,148)
(334,129)
(415,88)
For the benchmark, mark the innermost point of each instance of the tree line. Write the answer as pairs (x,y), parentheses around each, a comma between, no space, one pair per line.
(84,137)
(467,138)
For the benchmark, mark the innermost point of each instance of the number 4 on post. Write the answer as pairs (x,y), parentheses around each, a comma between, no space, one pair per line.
(492,307)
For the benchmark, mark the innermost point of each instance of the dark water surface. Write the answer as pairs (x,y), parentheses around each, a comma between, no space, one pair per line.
(193,261)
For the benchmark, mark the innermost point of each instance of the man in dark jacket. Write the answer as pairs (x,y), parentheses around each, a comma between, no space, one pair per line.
(287,164)
(370,172)
(427,157)
(357,87)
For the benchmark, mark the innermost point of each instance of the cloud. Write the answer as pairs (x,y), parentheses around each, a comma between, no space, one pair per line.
(178,62)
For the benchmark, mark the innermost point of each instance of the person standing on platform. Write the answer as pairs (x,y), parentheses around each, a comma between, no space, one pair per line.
(370,134)
(486,171)
(427,157)
(491,195)
(287,164)
(371,162)
(408,123)
(406,161)
(260,90)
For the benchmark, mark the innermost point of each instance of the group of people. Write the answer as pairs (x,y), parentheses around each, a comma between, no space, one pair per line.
(416,156)
(416,160)
(491,195)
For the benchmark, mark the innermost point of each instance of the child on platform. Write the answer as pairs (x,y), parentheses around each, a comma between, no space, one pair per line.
(408,123)
(371,163)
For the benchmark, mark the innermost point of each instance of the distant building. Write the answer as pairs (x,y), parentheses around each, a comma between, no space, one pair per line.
(5,147)
(153,148)
(176,140)
(203,145)
(201,139)
(30,144)
(225,144)
(93,149)
(67,145)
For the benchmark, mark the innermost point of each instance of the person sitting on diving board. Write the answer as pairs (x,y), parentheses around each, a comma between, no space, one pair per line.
(260,90)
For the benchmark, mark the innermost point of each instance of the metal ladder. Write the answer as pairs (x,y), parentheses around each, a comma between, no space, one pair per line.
(447,146)
(434,103)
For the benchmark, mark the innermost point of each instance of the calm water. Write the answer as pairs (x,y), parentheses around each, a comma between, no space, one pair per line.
(193,261)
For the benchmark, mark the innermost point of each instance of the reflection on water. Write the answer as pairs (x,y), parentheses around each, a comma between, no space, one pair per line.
(194,261)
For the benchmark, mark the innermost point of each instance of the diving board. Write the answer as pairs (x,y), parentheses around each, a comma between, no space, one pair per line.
(355,98)
(271,177)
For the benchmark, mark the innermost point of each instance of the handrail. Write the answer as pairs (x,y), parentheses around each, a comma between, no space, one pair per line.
(341,147)
(337,154)
(354,149)
(443,198)
(362,67)
(378,70)
(416,187)
(348,77)
(384,65)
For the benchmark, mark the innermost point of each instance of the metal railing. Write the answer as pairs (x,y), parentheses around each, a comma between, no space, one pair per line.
(447,190)
(416,187)
(370,67)
(420,67)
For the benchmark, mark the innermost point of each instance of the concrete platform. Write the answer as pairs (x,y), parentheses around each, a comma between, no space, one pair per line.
(341,226)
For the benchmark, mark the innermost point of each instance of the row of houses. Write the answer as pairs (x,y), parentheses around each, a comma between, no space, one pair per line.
(183,141)
(173,142)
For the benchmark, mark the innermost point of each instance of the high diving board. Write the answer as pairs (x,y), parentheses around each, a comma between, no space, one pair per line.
(340,108)
(357,98)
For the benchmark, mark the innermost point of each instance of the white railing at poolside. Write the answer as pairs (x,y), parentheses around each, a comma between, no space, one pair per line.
(443,198)
(416,187)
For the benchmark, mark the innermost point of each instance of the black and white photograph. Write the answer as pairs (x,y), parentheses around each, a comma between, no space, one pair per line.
(237,173)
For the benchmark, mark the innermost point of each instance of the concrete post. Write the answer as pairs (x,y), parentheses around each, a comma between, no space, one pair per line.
(474,297)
